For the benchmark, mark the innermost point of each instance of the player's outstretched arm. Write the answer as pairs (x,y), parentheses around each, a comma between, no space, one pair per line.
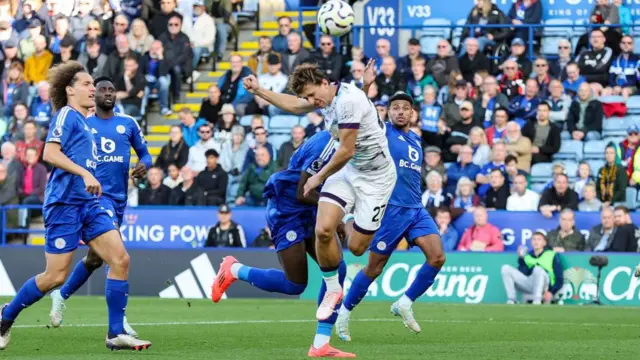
(369,76)
(54,156)
(286,102)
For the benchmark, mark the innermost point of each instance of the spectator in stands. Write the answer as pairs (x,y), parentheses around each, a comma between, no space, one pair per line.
(523,108)
(519,55)
(197,159)
(226,233)
(10,52)
(14,89)
(497,131)
(584,121)
(573,81)
(566,237)
(160,20)
(434,196)
(414,52)
(273,80)
(465,196)
(603,13)
(481,236)
(178,52)
(280,42)
(190,126)
(511,170)
(92,59)
(16,122)
(173,177)
(61,33)
(14,167)
(156,193)
(473,60)
(558,197)
(558,67)
(443,63)
(625,16)
(295,54)
(155,69)
(418,80)
(201,31)
(522,199)
(130,87)
(37,66)
(187,192)
(478,142)
(452,112)
(254,179)
(258,61)
(526,12)
(41,109)
(458,134)
(230,85)
(228,119)
(628,148)
(627,235)
(498,155)
(448,234)
(114,29)
(356,74)
(260,135)
(175,152)
(8,194)
(139,38)
(518,146)
(115,61)
(486,13)
(488,104)
(389,81)
(589,201)
(432,162)
(328,59)
(464,167)
(225,24)
(538,276)
(583,178)
(623,73)
(316,123)
(212,180)
(288,148)
(132,194)
(81,18)
(29,141)
(611,182)
(428,113)
(33,182)
(232,160)
(498,192)
(544,136)
(594,64)
(257,121)
(211,105)
(559,103)
(448,91)
(21,23)
(93,31)
(601,234)
(27,46)
(541,75)
(511,81)
(383,49)
(66,53)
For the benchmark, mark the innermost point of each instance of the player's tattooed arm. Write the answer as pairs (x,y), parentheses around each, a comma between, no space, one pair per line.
(286,102)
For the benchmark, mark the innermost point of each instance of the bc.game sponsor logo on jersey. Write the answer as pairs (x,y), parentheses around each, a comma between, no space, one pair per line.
(413,156)
(108,146)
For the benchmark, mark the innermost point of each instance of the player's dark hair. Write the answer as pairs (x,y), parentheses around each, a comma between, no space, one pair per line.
(59,77)
(306,74)
(510,158)
(545,104)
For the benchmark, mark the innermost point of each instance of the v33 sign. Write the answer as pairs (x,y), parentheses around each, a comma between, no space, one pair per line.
(382,16)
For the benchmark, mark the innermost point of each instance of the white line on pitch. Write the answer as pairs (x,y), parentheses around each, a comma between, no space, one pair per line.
(241,322)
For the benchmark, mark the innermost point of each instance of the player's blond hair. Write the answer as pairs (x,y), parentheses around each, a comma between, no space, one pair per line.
(306,74)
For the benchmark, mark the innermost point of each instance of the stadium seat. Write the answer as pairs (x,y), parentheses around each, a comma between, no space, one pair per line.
(246,120)
(304,121)
(539,187)
(570,168)
(578,30)
(633,105)
(569,150)
(277,140)
(429,37)
(614,126)
(457,34)
(551,36)
(632,198)
(541,171)
(594,150)
(282,124)
(635,31)
(595,165)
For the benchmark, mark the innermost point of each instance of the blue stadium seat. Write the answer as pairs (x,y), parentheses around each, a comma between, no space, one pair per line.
(246,120)
(283,123)
(595,165)
(578,31)
(614,126)
(539,187)
(570,168)
(594,150)
(304,121)
(633,105)
(633,201)
(277,140)
(429,37)
(457,34)
(540,176)
(569,150)
(635,31)
(553,35)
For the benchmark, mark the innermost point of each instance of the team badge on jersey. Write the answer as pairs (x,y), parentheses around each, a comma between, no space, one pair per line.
(120,129)
(381,245)
(57,131)
(60,243)
(291,235)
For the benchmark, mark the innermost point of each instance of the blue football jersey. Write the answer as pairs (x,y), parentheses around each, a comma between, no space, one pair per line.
(70,129)
(114,138)
(406,151)
(311,157)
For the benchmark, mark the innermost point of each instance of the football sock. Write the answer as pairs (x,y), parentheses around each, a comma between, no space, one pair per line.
(116,292)
(330,276)
(26,296)
(423,281)
(78,277)
(323,330)
(271,280)
(323,335)
(357,291)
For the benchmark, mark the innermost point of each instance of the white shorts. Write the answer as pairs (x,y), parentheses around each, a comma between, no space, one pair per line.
(367,193)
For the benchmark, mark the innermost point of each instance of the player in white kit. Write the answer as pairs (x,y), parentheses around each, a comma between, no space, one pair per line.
(360,175)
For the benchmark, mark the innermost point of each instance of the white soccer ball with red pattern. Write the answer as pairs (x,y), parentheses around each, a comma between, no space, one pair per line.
(335,18)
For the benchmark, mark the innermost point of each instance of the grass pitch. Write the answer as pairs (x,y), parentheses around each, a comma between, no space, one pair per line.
(284,329)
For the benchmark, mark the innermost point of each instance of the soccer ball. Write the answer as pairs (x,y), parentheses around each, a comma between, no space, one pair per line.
(335,18)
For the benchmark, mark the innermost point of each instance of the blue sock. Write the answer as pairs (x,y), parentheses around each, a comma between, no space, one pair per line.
(78,277)
(342,273)
(271,280)
(357,291)
(117,293)
(27,295)
(423,281)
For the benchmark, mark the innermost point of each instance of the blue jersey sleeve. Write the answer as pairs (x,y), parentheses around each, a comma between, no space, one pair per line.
(319,152)
(62,127)
(139,144)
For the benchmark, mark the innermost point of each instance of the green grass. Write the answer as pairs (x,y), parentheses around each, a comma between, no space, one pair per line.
(284,329)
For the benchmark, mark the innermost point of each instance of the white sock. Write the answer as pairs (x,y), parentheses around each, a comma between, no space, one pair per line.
(344,310)
(320,340)
(405,301)
(333,283)
(235,268)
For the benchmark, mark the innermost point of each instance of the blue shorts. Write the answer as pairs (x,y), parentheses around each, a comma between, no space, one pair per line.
(288,229)
(114,208)
(401,222)
(65,225)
